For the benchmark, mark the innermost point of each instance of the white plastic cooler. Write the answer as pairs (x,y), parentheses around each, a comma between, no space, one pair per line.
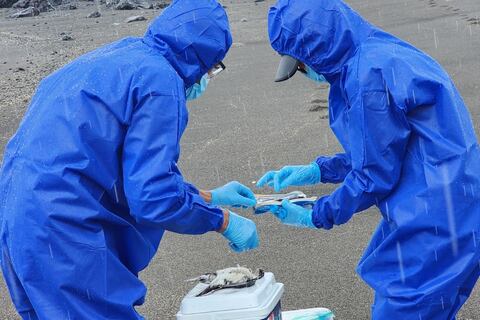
(259,302)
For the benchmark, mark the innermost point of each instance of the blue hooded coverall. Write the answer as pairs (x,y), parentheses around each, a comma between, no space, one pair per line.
(90,180)
(410,149)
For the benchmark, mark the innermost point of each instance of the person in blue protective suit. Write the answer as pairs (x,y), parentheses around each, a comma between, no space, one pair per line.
(410,149)
(90,181)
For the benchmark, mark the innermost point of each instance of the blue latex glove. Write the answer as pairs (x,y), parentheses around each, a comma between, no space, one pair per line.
(242,233)
(293,215)
(233,194)
(291,176)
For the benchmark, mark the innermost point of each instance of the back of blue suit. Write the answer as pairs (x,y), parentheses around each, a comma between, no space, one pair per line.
(410,149)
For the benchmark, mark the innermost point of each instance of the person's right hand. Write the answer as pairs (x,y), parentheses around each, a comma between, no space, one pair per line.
(294,215)
(233,194)
(241,232)
(291,176)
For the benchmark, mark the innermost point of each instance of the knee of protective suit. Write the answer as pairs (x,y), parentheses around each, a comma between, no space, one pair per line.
(17,292)
(438,307)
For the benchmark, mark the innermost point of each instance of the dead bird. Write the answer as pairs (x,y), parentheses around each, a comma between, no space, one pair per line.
(229,278)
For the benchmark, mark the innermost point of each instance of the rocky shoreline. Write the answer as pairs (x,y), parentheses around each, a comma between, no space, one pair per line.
(31,8)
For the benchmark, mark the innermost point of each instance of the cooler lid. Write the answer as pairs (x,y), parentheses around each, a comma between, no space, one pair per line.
(264,291)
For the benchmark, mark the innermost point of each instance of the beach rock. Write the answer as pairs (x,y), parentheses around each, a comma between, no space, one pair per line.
(28,12)
(136,4)
(21,4)
(125,5)
(94,14)
(135,18)
(161,4)
(67,37)
(41,5)
(6,3)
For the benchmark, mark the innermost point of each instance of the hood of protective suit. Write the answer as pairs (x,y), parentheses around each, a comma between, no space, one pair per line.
(323,34)
(193,35)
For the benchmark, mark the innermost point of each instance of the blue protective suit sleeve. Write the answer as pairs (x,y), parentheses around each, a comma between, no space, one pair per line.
(154,186)
(379,132)
(191,188)
(334,169)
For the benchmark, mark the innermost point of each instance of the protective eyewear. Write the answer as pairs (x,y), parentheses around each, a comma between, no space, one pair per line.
(216,70)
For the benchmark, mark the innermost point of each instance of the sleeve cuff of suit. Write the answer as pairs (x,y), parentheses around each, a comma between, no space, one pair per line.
(324,177)
(319,216)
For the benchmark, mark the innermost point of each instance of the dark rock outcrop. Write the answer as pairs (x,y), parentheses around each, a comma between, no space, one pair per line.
(136,4)
(27,12)
(7,3)
(40,5)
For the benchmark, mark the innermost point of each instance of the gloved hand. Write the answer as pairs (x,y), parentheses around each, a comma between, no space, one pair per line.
(241,232)
(294,215)
(291,176)
(233,194)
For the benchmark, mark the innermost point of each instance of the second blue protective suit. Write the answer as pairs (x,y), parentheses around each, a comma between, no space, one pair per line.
(410,149)
(90,180)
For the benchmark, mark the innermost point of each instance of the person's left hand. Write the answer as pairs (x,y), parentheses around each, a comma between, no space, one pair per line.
(233,194)
(291,176)
(294,215)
